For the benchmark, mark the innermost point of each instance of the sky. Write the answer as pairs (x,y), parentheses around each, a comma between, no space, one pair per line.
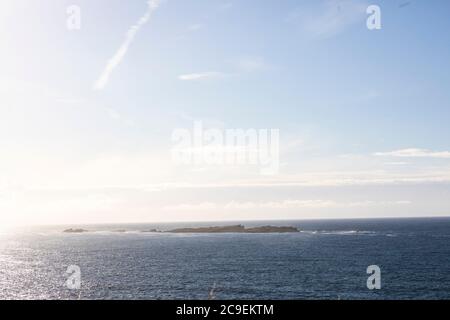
(87,115)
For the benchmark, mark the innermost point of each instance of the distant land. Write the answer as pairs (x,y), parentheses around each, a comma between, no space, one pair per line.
(74,230)
(224,229)
(236,229)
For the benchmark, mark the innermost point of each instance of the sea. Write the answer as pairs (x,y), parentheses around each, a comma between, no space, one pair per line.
(327,259)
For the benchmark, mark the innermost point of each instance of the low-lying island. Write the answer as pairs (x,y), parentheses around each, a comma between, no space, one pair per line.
(220,229)
(236,229)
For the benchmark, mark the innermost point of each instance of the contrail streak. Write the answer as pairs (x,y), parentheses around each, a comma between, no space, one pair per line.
(129,38)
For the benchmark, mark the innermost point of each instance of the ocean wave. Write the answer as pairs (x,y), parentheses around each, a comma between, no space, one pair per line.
(341,232)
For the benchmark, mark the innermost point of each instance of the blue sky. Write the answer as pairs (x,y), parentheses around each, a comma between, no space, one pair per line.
(362,114)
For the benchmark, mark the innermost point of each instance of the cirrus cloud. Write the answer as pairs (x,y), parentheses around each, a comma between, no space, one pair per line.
(415,153)
(201,76)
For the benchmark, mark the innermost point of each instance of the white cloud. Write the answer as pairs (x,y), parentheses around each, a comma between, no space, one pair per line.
(415,153)
(396,163)
(201,76)
(285,204)
(208,206)
(102,81)
(243,65)
(292,204)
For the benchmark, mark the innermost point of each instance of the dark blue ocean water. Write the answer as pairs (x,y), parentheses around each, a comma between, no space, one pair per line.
(327,260)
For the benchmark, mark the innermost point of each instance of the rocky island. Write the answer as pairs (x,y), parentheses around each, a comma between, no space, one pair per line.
(221,229)
(151,231)
(71,230)
(236,229)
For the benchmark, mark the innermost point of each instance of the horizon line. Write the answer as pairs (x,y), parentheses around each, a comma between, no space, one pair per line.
(225,221)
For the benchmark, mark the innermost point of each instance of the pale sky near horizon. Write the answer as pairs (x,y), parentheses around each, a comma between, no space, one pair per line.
(86,116)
